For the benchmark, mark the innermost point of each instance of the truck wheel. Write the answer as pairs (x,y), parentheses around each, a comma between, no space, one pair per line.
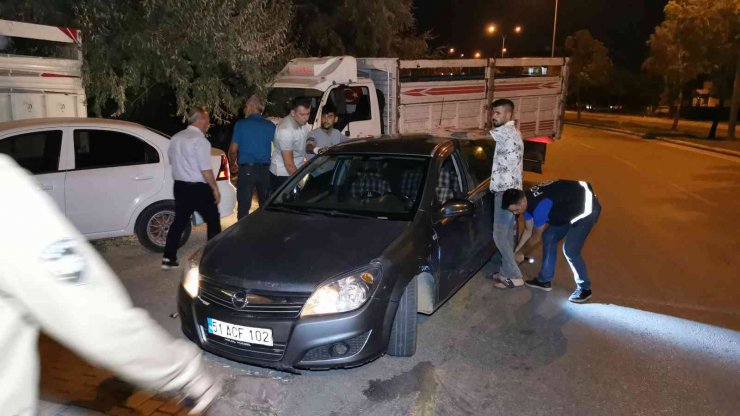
(154,223)
(403,333)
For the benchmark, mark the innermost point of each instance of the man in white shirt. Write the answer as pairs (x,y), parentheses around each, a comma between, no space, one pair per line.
(506,173)
(195,185)
(326,135)
(53,280)
(290,142)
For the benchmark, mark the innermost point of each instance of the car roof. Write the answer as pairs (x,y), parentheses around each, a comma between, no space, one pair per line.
(66,121)
(418,145)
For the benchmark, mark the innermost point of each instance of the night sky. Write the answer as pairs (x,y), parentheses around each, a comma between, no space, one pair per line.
(622,25)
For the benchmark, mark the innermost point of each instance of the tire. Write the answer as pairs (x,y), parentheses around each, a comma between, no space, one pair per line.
(154,223)
(402,342)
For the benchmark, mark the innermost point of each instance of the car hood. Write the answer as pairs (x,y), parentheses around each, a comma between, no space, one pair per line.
(287,252)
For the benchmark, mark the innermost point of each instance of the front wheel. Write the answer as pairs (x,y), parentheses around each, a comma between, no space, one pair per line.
(402,342)
(154,223)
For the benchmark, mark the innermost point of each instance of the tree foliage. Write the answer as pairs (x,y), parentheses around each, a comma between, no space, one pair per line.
(207,51)
(696,37)
(359,28)
(589,64)
(214,52)
(210,53)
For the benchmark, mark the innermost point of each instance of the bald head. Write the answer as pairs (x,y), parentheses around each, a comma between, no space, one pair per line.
(198,117)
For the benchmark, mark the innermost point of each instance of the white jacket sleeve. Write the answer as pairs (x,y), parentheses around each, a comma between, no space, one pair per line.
(62,285)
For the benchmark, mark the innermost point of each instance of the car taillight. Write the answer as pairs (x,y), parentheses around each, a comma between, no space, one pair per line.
(224,174)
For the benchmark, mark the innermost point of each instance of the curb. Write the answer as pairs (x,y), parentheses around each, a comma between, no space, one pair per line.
(726,152)
(648,136)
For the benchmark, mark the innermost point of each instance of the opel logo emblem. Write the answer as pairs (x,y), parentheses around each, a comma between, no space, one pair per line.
(239,299)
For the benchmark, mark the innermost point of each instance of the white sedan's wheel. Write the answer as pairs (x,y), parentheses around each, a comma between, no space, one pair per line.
(154,224)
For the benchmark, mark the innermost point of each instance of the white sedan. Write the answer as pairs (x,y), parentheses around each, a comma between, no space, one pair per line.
(111,178)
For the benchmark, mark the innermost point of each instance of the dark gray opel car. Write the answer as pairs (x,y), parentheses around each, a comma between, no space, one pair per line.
(333,270)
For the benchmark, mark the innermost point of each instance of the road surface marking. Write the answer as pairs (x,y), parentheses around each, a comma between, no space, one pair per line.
(621,159)
(694,195)
(626,162)
(662,143)
(701,152)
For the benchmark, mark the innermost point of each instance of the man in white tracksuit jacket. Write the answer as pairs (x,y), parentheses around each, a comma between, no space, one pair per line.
(52,279)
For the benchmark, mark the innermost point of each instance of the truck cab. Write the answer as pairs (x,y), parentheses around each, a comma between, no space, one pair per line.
(328,80)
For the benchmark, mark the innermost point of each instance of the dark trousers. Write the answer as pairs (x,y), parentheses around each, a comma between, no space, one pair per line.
(191,197)
(575,236)
(276,182)
(252,176)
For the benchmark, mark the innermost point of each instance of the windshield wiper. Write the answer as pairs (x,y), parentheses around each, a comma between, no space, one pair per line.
(335,213)
(286,209)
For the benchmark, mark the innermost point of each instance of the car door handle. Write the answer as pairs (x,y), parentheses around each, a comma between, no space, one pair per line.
(143,178)
(45,187)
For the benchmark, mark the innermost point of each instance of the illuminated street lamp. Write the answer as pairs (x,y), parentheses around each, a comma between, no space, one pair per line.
(452,50)
(491,29)
(477,55)
(462,55)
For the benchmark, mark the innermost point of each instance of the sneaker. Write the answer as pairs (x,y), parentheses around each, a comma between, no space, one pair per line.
(168,264)
(535,283)
(501,282)
(580,296)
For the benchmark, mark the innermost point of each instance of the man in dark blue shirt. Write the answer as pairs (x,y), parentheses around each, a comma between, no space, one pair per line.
(569,209)
(252,142)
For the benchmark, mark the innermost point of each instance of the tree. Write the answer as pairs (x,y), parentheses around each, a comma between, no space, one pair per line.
(359,28)
(723,25)
(589,64)
(697,37)
(210,53)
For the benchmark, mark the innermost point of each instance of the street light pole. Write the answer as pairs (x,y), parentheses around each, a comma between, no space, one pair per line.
(554,28)
(492,30)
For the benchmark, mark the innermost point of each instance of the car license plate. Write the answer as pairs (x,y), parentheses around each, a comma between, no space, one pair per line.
(248,334)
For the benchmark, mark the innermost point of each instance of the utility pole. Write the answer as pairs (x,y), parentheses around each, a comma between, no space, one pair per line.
(554,28)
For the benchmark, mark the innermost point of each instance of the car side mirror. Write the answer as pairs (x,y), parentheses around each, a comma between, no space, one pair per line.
(456,208)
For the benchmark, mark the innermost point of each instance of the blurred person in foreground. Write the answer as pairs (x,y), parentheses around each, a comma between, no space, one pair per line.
(53,280)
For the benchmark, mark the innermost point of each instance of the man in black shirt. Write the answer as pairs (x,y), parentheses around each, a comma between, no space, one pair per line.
(569,209)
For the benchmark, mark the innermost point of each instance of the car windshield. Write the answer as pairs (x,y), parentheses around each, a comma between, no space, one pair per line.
(356,185)
(279,100)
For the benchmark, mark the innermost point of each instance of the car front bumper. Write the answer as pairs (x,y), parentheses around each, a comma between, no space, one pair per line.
(299,343)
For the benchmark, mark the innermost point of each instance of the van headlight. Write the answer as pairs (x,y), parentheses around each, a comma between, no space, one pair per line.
(191,275)
(343,294)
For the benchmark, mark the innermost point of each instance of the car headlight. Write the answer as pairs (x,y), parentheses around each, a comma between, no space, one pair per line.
(343,294)
(191,275)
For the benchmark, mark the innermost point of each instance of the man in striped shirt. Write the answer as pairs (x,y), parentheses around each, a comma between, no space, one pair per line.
(554,211)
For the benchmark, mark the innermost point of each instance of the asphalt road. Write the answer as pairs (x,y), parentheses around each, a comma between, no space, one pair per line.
(660,335)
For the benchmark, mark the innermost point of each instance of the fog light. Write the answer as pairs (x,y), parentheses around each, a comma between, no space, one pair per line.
(339,349)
